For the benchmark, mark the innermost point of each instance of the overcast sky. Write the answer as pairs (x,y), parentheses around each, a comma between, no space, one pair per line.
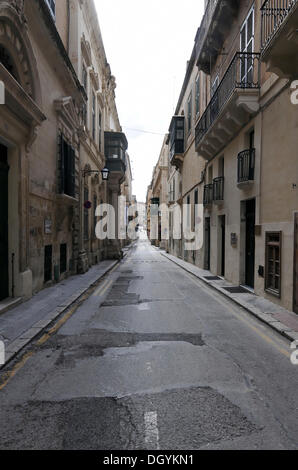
(147,44)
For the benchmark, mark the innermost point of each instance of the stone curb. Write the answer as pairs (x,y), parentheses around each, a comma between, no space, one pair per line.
(26,337)
(268,319)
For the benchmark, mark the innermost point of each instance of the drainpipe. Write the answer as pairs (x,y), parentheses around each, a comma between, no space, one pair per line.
(12,275)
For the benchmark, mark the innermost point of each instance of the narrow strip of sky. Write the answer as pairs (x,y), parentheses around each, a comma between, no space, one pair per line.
(147,45)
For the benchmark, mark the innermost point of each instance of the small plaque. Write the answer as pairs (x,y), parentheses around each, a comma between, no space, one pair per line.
(234,239)
(48,226)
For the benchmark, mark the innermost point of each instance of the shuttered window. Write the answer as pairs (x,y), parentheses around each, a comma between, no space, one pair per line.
(93,116)
(198,95)
(273,263)
(67,168)
(86,215)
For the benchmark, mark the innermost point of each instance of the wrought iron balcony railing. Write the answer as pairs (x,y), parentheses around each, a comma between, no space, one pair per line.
(218,189)
(243,73)
(208,194)
(274,13)
(246,166)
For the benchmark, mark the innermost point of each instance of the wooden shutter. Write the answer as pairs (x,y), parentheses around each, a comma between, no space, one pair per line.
(72,167)
(61,165)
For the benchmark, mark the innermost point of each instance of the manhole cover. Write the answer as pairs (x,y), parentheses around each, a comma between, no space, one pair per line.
(237,290)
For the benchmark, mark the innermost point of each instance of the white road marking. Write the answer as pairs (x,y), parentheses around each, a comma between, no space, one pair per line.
(143,307)
(151,430)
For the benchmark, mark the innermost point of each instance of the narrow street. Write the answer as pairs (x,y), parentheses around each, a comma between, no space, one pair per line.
(153,359)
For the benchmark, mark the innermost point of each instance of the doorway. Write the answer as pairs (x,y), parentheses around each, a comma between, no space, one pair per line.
(296,264)
(48,251)
(222,227)
(4,278)
(250,217)
(207,244)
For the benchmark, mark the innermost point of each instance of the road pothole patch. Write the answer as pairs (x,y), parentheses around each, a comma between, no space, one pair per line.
(186,418)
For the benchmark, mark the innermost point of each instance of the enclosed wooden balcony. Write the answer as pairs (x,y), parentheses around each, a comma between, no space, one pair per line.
(233,104)
(115,153)
(176,141)
(280,37)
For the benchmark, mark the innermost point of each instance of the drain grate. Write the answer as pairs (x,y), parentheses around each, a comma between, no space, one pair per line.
(212,278)
(237,290)
(129,278)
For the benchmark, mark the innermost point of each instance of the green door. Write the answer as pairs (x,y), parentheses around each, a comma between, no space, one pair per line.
(3,223)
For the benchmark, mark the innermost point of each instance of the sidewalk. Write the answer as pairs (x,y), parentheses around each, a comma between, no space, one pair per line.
(22,324)
(281,320)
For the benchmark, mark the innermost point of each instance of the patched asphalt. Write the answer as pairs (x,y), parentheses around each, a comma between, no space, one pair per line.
(156,362)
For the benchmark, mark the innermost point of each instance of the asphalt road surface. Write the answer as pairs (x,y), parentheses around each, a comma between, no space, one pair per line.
(153,359)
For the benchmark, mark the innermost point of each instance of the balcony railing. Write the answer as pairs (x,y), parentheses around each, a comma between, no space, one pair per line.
(218,189)
(242,73)
(246,166)
(208,194)
(274,13)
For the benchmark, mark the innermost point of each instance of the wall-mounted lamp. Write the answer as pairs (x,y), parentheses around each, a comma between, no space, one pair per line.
(104,173)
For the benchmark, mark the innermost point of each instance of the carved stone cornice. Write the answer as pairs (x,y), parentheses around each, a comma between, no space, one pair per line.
(19,101)
(86,51)
(68,112)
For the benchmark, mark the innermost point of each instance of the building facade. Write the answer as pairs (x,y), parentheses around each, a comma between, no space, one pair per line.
(239,150)
(59,107)
(159,194)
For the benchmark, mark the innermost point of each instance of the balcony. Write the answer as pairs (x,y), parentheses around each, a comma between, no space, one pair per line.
(233,104)
(218,190)
(280,37)
(208,195)
(176,141)
(215,26)
(115,153)
(246,167)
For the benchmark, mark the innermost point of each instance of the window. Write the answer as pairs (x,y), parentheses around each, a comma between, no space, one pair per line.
(94,211)
(214,85)
(85,78)
(273,263)
(86,215)
(247,46)
(67,168)
(52,7)
(63,258)
(195,212)
(99,129)
(188,212)
(198,95)
(7,62)
(214,107)
(189,113)
(93,115)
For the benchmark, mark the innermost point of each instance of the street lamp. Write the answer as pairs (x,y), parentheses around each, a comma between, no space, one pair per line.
(105,173)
